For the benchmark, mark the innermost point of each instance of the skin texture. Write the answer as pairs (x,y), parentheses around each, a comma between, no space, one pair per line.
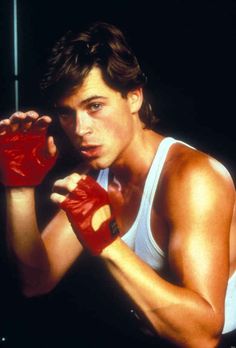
(191,216)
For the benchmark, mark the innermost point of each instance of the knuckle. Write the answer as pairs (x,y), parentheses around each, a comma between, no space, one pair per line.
(71,186)
(52,196)
(17,114)
(32,113)
(64,182)
(75,177)
(57,183)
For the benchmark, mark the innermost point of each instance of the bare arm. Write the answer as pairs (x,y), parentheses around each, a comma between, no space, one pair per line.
(24,241)
(198,208)
(41,258)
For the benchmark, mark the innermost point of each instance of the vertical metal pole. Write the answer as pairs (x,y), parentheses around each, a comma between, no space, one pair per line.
(15,34)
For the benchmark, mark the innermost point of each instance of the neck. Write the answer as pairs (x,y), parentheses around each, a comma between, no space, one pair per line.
(132,167)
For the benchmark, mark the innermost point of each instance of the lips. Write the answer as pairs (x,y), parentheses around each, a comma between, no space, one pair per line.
(90,151)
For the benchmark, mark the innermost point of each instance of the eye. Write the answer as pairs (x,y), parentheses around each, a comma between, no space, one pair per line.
(65,114)
(95,107)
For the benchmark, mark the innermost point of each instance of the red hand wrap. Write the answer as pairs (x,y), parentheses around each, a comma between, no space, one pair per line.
(23,158)
(80,206)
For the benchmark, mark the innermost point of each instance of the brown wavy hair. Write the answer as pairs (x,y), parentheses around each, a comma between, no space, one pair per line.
(102,45)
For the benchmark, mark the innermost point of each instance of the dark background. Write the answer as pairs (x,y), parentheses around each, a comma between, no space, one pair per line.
(187,50)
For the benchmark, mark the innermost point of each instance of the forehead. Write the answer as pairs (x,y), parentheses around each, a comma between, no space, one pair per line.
(93,85)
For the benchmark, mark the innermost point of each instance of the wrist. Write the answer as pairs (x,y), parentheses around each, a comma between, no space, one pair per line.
(19,193)
(112,249)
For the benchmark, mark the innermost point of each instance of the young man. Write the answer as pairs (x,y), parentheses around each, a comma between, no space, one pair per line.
(160,214)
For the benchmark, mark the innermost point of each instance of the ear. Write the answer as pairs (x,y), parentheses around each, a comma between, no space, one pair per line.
(135,100)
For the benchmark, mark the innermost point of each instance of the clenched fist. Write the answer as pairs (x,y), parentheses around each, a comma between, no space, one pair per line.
(88,210)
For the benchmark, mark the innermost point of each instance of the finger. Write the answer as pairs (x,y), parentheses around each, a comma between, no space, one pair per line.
(30,117)
(52,149)
(67,184)
(22,120)
(57,198)
(75,177)
(16,119)
(5,126)
(31,114)
(42,123)
(64,186)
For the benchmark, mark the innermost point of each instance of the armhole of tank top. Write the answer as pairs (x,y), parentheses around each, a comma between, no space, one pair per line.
(166,144)
(142,207)
(155,173)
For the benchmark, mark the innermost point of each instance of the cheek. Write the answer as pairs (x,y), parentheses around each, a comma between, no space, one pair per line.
(113,130)
(118,135)
(118,120)
(124,126)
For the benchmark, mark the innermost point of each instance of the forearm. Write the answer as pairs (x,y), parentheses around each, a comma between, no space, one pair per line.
(23,237)
(176,313)
(164,304)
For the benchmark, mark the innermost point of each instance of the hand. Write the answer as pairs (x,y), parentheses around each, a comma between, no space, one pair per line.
(87,207)
(26,153)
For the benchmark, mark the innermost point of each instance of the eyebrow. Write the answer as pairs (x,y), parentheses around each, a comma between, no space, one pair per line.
(63,109)
(59,108)
(87,100)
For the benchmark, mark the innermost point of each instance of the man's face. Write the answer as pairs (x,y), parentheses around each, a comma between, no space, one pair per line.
(98,121)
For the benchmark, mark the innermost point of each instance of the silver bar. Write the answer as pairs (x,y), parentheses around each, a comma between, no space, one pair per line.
(15,34)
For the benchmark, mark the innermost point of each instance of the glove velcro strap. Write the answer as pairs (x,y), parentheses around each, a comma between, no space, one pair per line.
(96,241)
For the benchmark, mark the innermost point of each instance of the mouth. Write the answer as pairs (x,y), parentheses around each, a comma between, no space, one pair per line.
(90,151)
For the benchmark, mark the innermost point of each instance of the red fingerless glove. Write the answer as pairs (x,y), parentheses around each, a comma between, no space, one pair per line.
(23,158)
(80,206)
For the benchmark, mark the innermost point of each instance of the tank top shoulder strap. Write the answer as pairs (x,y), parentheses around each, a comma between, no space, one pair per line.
(156,167)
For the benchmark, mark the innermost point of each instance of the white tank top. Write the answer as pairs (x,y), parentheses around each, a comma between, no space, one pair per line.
(140,239)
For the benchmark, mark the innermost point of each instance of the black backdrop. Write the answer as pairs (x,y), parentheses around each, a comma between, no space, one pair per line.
(187,50)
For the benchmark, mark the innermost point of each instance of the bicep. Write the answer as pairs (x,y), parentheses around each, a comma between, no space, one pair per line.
(199,237)
(200,263)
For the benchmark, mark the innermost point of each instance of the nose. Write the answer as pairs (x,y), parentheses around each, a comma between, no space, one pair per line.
(83,124)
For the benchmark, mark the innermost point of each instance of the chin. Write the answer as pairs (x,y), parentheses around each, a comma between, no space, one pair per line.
(99,164)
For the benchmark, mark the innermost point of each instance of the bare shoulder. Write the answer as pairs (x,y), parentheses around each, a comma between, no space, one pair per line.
(192,163)
(195,178)
(196,201)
